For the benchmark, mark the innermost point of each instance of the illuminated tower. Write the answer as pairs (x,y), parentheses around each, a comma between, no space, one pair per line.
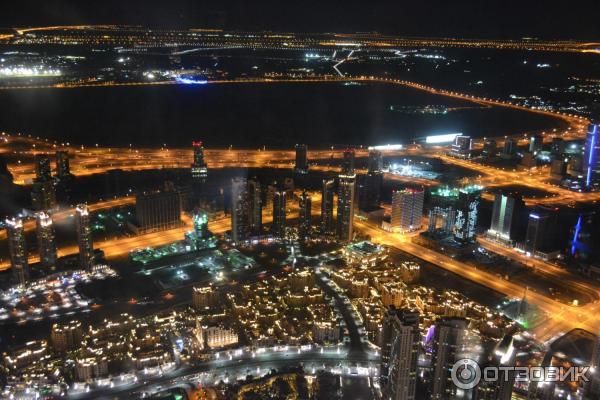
(466,214)
(508,218)
(448,341)
(591,156)
(541,230)
(327,205)
(305,223)
(84,237)
(345,206)
(407,209)
(255,204)
(63,169)
(279,217)
(199,169)
(200,220)
(45,239)
(240,210)
(17,250)
(399,354)
(301,159)
(442,211)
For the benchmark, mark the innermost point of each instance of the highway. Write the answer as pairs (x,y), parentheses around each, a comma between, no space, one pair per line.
(562,318)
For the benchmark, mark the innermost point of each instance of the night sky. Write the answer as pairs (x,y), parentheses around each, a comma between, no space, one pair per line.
(475,18)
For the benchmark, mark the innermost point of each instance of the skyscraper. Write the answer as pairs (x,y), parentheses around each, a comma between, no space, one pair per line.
(348,162)
(200,220)
(369,185)
(63,169)
(43,195)
(448,341)
(301,159)
(541,229)
(17,250)
(327,205)
(255,205)
(508,218)
(510,149)
(466,214)
(305,223)
(45,239)
(199,168)
(345,207)
(84,237)
(407,209)
(240,210)
(591,156)
(279,211)
(503,355)
(442,211)
(375,163)
(399,354)
(43,168)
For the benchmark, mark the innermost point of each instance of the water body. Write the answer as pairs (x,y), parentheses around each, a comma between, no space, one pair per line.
(250,115)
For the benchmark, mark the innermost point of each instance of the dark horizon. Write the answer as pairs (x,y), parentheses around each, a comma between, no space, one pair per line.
(492,19)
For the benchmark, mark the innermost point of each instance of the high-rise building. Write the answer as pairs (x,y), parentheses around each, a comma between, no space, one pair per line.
(510,149)
(43,168)
(199,168)
(305,223)
(255,206)
(490,148)
(301,159)
(508,218)
(63,170)
(503,355)
(448,342)
(536,143)
(348,162)
(205,297)
(369,190)
(159,209)
(17,250)
(43,195)
(45,239)
(375,163)
(407,209)
(279,211)
(84,237)
(240,210)
(466,214)
(369,185)
(345,207)
(327,205)
(541,230)
(461,148)
(399,354)
(200,221)
(66,336)
(442,211)
(591,155)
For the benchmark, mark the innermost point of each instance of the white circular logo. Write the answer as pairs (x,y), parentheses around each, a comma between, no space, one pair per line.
(465,374)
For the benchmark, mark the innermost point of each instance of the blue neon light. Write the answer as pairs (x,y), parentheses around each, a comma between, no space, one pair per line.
(588,178)
(189,81)
(576,236)
(534,216)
